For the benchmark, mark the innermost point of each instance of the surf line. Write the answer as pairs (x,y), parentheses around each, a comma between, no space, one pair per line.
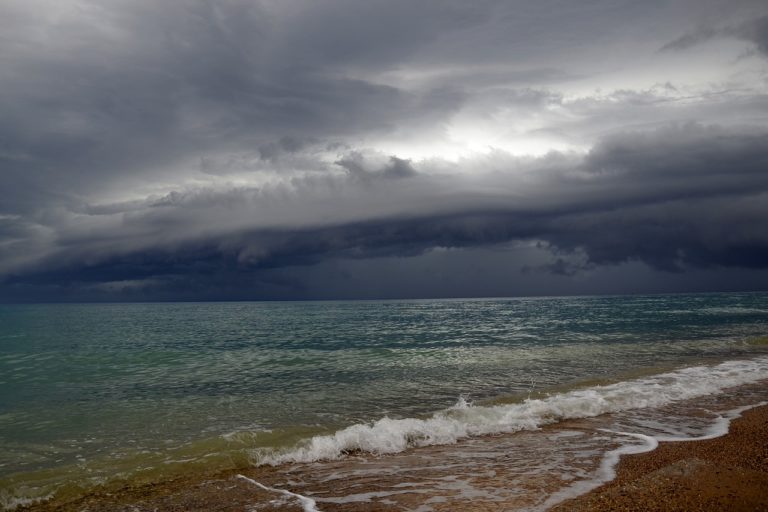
(607,470)
(720,428)
(308,504)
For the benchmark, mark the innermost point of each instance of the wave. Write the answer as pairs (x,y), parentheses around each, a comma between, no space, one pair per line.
(734,310)
(388,435)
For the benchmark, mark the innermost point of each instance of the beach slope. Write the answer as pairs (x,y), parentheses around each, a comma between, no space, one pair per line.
(725,473)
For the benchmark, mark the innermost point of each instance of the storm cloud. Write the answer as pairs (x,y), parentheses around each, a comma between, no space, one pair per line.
(254,149)
(754,31)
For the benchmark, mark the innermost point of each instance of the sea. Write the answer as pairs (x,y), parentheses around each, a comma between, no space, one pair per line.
(409,404)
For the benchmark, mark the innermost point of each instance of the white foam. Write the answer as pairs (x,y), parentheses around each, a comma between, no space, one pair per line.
(388,435)
(8,501)
(734,310)
(718,428)
(308,504)
(605,473)
(367,497)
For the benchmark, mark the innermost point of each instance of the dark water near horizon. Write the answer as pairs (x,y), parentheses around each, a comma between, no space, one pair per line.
(91,393)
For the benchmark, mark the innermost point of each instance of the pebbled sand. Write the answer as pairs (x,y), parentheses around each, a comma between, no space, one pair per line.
(729,473)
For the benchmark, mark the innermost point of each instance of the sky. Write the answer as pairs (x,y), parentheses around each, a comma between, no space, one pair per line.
(342,149)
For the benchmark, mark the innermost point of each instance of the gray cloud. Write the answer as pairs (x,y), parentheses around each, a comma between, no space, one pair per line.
(130,89)
(691,39)
(682,197)
(179,148)
(357,165)
(754,31)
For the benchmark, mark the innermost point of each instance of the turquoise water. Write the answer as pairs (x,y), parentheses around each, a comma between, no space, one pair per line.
(88,385)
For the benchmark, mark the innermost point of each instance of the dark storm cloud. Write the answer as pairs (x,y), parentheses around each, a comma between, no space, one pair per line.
(95,92)
(355,164)
(690,39)
(182,148)
(685,196)
(95,95)
(129,88)
(754,31)
(682,197)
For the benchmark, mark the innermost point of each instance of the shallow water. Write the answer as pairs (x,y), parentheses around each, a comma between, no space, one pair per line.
(93,394)
(530,470)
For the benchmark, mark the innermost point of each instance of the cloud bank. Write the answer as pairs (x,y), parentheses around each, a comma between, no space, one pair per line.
(255,149)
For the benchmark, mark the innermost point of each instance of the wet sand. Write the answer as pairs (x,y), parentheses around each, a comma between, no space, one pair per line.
(726,473)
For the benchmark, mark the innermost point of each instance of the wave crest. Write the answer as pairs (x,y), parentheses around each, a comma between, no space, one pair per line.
(388,435)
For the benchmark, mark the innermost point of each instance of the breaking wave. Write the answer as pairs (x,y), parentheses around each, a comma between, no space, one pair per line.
(388,435)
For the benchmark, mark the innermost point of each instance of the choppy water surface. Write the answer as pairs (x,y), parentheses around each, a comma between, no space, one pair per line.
(98,391)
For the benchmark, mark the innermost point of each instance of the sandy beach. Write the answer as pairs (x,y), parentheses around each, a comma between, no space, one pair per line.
(725,473)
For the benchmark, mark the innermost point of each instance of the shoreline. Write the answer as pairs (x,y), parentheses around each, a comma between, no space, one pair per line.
(729,472)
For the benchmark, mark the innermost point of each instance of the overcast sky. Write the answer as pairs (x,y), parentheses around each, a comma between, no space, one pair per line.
(290,149)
